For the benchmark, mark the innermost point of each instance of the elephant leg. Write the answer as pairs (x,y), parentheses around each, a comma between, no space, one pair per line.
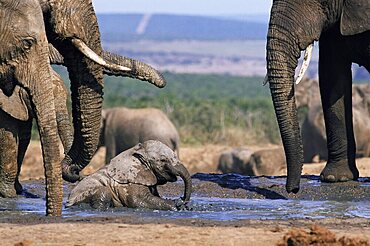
(336,95)
(140,196)
(110,147)
(102,198)
(8,155)
(24,141)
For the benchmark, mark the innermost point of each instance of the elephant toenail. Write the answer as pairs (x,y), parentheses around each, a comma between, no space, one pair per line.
(330,178)
(343,179)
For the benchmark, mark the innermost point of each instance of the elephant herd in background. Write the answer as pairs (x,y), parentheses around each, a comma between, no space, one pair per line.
(66,32)
(271,161)
(313,126)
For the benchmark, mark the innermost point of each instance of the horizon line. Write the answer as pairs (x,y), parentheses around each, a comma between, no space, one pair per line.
(187,14)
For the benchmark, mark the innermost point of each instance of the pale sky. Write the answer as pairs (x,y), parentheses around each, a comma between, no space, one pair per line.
(189,7)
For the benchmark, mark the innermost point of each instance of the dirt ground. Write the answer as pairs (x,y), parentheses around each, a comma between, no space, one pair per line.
(128,231)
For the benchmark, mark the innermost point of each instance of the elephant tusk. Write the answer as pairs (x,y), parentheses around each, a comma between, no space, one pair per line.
(81,46)
(306,63)
(265,80)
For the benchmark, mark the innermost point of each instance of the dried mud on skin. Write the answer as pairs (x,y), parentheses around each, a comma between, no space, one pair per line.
(318,235)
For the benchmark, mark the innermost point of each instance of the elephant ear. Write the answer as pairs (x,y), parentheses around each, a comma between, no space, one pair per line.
(130,167)
(355,17)
(54,56)
(17,105)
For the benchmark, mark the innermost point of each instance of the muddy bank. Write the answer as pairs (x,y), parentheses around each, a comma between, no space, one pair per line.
(216,197)
(225,209)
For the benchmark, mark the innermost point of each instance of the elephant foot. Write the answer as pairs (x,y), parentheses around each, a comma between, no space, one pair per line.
(7,191)
(340,171)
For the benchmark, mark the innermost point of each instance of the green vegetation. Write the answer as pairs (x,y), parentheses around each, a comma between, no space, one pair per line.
(218,109)
(205,108)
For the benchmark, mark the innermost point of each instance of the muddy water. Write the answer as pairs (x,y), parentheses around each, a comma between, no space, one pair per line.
(223,198)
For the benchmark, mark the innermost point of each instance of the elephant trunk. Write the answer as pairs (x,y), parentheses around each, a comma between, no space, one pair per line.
(86,110)
(44,109)
(139,70)
(65,128)
(282,59)
(66,21)
(181,171)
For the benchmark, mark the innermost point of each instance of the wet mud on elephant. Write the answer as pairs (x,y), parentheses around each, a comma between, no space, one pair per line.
(131,180)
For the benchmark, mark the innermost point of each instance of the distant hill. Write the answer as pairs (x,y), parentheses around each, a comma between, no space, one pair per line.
(257,18)
(119,27)
(232,45)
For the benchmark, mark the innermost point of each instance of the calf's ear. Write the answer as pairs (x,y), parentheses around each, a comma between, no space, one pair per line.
(131,168)
(355,17)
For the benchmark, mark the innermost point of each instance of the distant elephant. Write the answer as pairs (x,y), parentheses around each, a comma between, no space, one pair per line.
(313,127)
(234,161)
(268,162)
(307,93)
(342,29)
(131,180)
(123,128)
(72,28)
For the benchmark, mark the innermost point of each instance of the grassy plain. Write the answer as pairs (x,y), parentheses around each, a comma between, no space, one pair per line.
(217,109)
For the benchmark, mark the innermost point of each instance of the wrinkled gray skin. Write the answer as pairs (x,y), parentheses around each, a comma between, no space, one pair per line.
(342,28)
(16,119)
(313,127)
(68,22)
(131,180)
(123,128)
(24,61)
(267,162)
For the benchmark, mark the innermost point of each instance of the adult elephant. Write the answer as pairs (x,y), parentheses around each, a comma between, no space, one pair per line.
(72,27)
(24,61)
(342,28)
(123,128)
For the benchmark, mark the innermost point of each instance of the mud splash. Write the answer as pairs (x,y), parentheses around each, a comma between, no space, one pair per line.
(224,198)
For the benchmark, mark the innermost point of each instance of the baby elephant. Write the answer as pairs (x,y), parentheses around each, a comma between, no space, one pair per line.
(131,180)
(123,128)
